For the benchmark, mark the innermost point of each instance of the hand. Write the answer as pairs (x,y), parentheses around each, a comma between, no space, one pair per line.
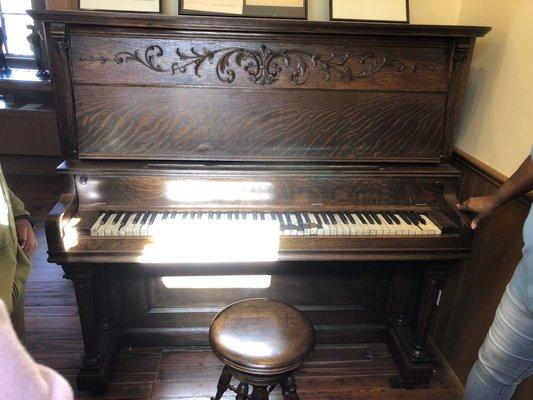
(26,236)
(481,206)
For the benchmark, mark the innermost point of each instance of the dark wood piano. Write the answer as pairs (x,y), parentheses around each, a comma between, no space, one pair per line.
(337,135)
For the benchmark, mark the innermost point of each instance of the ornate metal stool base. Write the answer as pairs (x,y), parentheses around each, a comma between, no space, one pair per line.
(258,392)
(261,342)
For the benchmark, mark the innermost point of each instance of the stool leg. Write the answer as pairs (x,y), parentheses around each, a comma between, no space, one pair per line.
(289,389)
(242,392)
(223,383)
(259,393)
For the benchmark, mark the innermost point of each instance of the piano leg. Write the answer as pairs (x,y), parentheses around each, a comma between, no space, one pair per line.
(100,339)
(410,348)
(402,290)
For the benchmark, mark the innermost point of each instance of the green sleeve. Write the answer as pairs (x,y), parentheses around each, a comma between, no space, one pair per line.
(16,205)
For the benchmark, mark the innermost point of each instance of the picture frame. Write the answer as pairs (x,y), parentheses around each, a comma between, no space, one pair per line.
(370,11)
(139,6)
(255,9)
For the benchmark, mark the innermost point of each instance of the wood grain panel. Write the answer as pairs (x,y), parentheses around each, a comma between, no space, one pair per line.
(254,191)
(474,291)
(360,299)
(289,61)
(232,124)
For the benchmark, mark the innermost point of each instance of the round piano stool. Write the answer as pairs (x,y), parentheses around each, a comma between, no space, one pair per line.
(261,343)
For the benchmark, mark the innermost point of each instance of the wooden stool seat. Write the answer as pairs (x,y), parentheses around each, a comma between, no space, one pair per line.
(261,342)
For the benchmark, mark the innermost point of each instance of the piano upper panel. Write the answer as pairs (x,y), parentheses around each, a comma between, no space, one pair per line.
(292,98)
(255,90)
(272,62)
(252,125)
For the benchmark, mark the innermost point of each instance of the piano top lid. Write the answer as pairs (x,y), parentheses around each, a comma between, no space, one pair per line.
(256,25)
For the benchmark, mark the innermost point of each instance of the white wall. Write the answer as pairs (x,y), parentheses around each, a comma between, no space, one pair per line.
(497,122)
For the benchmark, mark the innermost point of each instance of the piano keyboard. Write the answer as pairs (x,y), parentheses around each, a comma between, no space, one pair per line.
(114,224)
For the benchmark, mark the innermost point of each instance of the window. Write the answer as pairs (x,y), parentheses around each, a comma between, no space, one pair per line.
(14,22)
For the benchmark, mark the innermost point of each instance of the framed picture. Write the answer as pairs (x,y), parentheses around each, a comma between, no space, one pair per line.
(369,10)
(148,6)
(296,9)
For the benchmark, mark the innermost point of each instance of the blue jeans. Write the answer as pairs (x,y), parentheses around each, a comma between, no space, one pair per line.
(506,357)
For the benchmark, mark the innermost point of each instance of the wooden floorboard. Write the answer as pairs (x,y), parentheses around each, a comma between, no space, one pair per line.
(340,372)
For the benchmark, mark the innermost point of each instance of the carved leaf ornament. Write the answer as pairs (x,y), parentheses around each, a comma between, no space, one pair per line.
(263,65)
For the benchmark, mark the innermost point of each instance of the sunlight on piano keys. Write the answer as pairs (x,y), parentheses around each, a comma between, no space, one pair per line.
(201,191)
(214,242)
(70,233)
(217,282)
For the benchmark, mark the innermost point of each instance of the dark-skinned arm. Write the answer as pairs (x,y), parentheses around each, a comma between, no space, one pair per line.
(520,183)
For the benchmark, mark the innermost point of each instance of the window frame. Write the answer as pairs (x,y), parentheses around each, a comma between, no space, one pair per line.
(13,60)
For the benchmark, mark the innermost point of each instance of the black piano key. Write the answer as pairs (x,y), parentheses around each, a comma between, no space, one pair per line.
(387,217)
(423,222)
(361,217)
(165,216)
(306,218)
(343,218)
(332,218)
(144,218)
(414,217)
(318,218)
(301,222)
(152,218)
(325,218)
(369,218)
(262,216)
(350,218)
(405,218)
(136,218)
(125,219)
(395,219)
(210,216)
(376,218)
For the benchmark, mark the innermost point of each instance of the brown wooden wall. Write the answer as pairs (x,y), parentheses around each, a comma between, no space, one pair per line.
(474,290)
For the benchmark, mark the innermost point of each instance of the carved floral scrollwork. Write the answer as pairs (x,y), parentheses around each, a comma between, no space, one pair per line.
(263,65)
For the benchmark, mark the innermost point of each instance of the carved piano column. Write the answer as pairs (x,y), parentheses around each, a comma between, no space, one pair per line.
(432,283)
(104,319)
(402,295)
(83,285)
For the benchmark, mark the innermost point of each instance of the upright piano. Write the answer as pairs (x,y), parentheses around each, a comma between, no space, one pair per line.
(312,157)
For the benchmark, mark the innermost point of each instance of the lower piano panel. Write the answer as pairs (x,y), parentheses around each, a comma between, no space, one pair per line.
(367,302)
(346,303)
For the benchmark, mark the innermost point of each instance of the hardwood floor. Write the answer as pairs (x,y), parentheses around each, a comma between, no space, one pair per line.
(340,372)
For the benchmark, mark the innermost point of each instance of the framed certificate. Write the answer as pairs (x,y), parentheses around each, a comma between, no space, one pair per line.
(369,10)
(149,6)
(246,8)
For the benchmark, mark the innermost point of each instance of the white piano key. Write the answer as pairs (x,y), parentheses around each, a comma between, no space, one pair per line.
(96,225)
(108,225)
(127,228)
(431,227)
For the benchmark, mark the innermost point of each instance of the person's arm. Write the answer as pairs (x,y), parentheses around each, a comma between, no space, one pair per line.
(520,183)
(23,225)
